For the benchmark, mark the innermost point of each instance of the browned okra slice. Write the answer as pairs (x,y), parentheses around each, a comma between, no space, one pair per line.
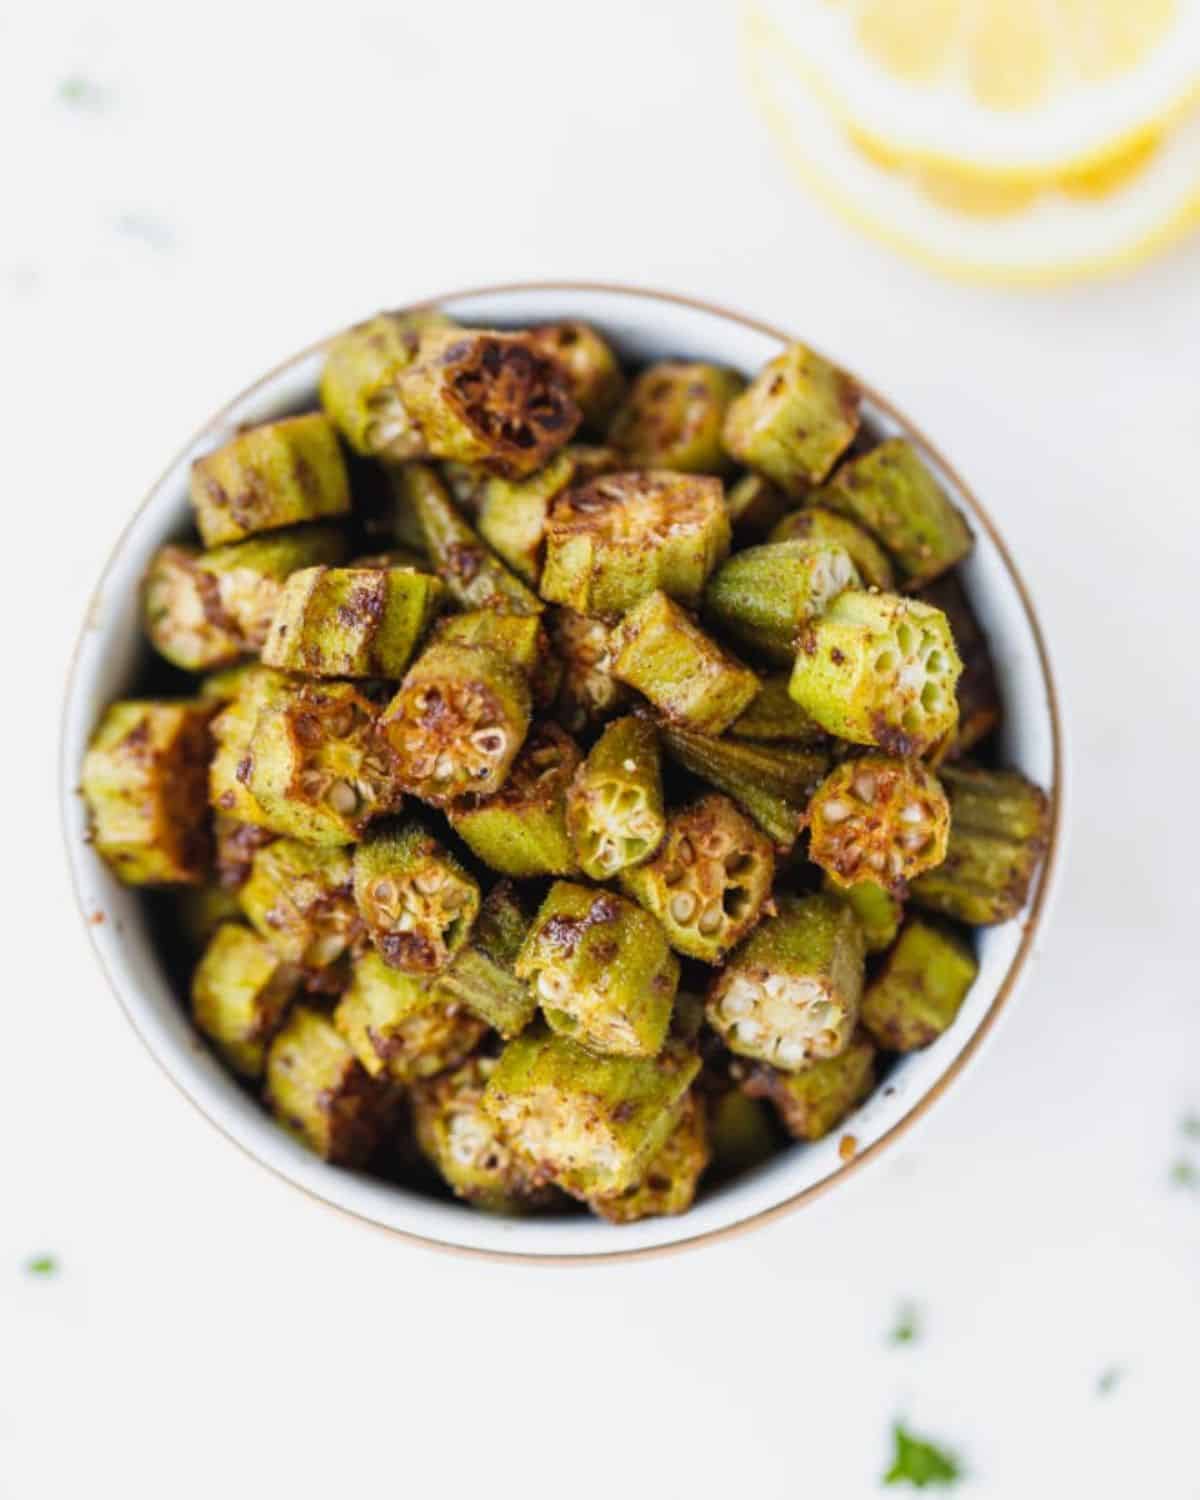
(879,911)
(589,692)
(790,994)
(143,782)
(241,989)
(351,622)
(249,690)
(668,1184)
(482,976)
(979,707)
(814,523)
(401,1027)
(755,505)
(813,1102)
(416,899)
(359,383)
(513,512)
(762,596)
(774,715)
(300,899)
(880,820)
(920,988)
(318,1091)
(709,882)
(615,803)
(672,417)
(590,365)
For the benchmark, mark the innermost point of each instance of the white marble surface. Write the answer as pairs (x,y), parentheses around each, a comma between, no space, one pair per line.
(232,186)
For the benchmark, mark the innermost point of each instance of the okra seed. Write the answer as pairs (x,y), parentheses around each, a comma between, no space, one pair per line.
(865,786)
(710,919)
(835,811)
(429,881)
(912,813)
(342,798)
(444,766)
(683,907)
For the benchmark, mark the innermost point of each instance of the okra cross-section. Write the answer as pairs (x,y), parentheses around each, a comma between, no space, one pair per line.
(814,523)
(300,899)
(359,383)
(401,1027)
(417,901)
(673,415)
(351,622)
(602,970)
(482,976)
(589,1123)
(763,595)
(690,679)
(317,1090)
(813,1102)
(615,803)
(457,722)
(877,669)
(513,512)
(589,692)
(269,477)
(144,783)
(520,639)
(590,365)
(241,989)
(616,539)
(710,880)
(880,820)
(790,994)
(920,988)
(668,1184)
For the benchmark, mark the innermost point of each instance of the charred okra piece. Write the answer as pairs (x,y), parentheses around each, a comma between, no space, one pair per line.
(457,723)
(318,1091)
(794,421)
(593,372)
(300,900)
(673,415)
(351,622)
(240,991)
(813,523)
(417,901)
(400,1027)
(891,492)
(144,783)
(710,880)
(269,477)
(739,1132)
(589,692)
(999,824)
(522,829)
(877,669)
(813,1102)
(775,715)
(234,847)
(763,595)
(591,1124)
(878,820)
(979,709)
(253,689)
(920,988)
(879,911)
(205,608)
(755,505)
(790,994)
(663,653)
(615,804)
(520,639)
(482,976)
(513,512)
(359,383)
(602,970)
(668,1184)
(612,541)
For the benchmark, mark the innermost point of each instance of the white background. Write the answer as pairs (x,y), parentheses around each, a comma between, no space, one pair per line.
(248,181)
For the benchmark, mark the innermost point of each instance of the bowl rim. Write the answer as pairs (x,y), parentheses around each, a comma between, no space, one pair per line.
(1031,920)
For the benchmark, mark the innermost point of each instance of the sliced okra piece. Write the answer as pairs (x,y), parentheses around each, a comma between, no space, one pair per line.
(416,899)
(589,692)
(670,1179)
(877,669)
(999,826)
(673,415)
(234,846)
(755,505)
(144,784)
(615,803)
(614,540)
(879,820)
(268,477)
(241,989)
(401,1027)
(879,911)
(521,830)
(790,994)
(359,383)
(891,492)
(814,523)
(920,987)
(602,970)
(318,1091)
(457,722)
(224,685)
(254,688)
(690,679)
(200,909)
(709,882)
(592,369)
(813,1102)
(794,421)
(589,1123)
(739,1131)
(351,622)
(979,708)
(300,899)
(482,976)
(520,639)
(775,715)
(762,596)
(513,512)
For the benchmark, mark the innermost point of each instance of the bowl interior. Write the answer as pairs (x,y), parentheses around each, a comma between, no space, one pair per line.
(643,326)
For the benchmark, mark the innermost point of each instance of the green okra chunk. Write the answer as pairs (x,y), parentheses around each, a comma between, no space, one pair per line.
(602,970)
(794,421)
(513,512)
(618,538)
(318,765)
(247,691)
(318,1091)
(300,900)
(457,723)
(670,1179)
(891,492)
(755,505)
(739,1131)
(615,803)
(268,477)
(351,622)
(359,383)
(813,1102)
(234,846)
(920,987)
(764,595)
(416,899)
(814,523)
(588,692)
(709,882)
(592,369)
(673,415)
(202,609)
(143,782)
(775,715)
(879,911)
(241,989)
(999,827)
(878,820)
(877,669)
(520,639)
(589,1123)
(200,909)
(978,694)
(521,830)
(223,686)
(401,1027)
(690,679)
(482,976)
(790,994)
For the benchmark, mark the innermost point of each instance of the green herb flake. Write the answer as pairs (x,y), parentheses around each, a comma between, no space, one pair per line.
(907,1328)
(1185,1174)
(920,1463)
(41,1265)
(1108,1380)
(84,94)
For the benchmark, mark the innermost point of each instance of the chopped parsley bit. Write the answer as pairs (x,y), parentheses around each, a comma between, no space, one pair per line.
(907,1329)
(1191,1127)
(41,1265)
(920,1463)
(1185,1174)
(78,92)
(1109,1380)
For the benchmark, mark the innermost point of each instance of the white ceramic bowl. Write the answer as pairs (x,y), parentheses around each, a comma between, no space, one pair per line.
(643,325)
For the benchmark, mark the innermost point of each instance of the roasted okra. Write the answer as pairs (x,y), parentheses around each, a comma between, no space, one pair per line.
(401,1027)
(918,990)
(673,415)
(615,803)
(241,989)
(812,1102)
(351,622)
(418,902)
(879,820)
(764,595)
